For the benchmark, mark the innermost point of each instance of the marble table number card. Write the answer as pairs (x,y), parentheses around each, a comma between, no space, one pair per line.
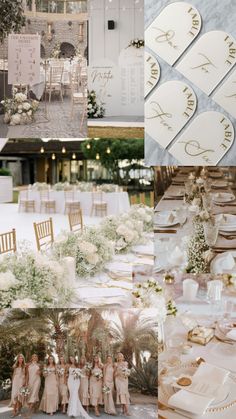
(225,96)
(168,110)
(205,141)
(209,60)
(173,31)
(152,73)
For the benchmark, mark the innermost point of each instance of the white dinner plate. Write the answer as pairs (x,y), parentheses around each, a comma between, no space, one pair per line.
(223,197)
(220,184)
(228,223)
(160,219)
(216,264)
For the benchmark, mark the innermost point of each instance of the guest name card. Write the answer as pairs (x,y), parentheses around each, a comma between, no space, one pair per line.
(205,141)
(23,59)
(209,60)
(173,31)
(168,110)
(225,96)
(152,73)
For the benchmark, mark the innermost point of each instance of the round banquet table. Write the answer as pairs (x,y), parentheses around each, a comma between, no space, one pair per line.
(117,202)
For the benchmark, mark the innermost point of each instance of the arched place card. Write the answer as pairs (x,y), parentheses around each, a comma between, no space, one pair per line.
(168,110)
(173,30)
(205,141)
(209,60)
(152,73)
(225,96)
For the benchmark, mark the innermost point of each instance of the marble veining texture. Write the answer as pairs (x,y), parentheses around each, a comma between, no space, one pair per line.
(216,15)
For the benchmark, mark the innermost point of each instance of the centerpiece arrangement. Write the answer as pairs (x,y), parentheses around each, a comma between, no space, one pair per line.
(19,110)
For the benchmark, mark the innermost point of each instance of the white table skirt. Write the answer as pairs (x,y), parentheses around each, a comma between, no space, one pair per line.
(117,202)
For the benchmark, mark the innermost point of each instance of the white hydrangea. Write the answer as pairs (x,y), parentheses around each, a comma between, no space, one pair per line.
(7,280)
(20,97)
(87,248)
(26,106)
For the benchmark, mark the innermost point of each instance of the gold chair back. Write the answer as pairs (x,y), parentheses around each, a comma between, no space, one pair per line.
(8,242)
(44,234)
(76,221)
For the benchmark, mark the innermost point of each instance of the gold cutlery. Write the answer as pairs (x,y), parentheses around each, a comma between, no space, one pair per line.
(165,231)
(224,340)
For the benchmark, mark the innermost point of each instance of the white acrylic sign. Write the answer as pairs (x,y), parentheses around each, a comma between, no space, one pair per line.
(209,60)
(131,66)
(3,141)
(226,95)
(205,141)
(173,31)
(152,73)
(23,59)
(103,78)
(168,110)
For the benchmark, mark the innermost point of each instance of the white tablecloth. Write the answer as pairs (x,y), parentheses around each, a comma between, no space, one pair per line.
(117,202)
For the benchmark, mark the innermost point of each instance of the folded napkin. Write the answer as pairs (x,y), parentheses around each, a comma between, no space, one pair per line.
(228,262)
(201,393)
(232,334)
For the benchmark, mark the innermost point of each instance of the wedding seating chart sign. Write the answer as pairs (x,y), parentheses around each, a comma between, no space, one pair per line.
(23,59)
(103,78)
(131,66)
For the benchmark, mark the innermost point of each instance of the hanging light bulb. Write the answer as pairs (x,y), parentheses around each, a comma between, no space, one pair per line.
(97,156)
(53,156)
(41,150)
(63,150)
(108,150)
(73,156)
(88,146)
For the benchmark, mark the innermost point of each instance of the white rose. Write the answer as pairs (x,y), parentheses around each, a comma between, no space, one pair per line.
(87,248)
(93,258)
(26,106)
(7,280)
(7,118)
(15,119)
(29,112)
(20,97)
(23,304)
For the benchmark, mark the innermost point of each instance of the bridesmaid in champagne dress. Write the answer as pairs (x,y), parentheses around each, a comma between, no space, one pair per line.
(62,370)
(49,402)
(108,380)
(122,383)
(96,384)
(18,381)
(84,384)
(33,381)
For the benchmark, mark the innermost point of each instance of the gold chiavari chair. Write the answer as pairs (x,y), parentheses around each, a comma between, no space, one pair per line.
(152,199)
(133,199)
(44,234)
(47,204)
(25,203)
(54,85)
(98,205)
(8,242)
(72,204)
(76,221)
(142,198)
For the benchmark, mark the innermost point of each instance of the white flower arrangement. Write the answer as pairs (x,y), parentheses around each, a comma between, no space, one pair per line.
(88,367)
(125,372)
(19,110)
(136,43)
(91,251)
(33,280)
(61,371)
(39,186)
(24,391)
(143,213)
(98,375)
(47,371)
(151,294)
(6,384)
(106,389)
(77,373)
(56,51)
(94,109)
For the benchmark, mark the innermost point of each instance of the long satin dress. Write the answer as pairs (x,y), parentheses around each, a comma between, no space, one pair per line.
(50,399)
(122,383)
(84,389)
(63,389)
(18,381)
(75,407)
(109,406)
(95,388)
(34,382)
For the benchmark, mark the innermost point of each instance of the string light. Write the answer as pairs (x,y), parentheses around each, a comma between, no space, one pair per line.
(73,156)
(108,150)
(63,150)
(53,156)
(88,146)
(97,156)
(41,150)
